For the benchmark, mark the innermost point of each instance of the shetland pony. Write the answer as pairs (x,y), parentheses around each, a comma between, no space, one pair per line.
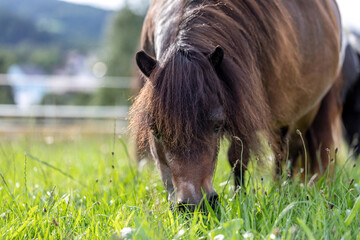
(241,70)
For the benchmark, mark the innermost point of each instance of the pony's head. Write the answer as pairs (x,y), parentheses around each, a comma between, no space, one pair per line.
(180,115)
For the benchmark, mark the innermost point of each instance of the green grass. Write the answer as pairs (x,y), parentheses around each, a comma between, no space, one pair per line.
(75,188)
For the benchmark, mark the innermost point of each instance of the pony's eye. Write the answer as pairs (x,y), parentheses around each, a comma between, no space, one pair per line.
(218,126)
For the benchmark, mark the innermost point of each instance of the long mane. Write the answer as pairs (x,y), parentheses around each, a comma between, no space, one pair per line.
(182,87)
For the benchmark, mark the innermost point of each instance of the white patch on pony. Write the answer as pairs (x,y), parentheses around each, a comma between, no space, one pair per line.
(190,188)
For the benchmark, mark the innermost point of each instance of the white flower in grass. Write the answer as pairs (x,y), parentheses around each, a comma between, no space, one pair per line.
(272,236)
(127,232)
(17,185)
(248,235)
(180,233)
(49,140)
(223,183)
(293,229)
(219,237)
(348,211)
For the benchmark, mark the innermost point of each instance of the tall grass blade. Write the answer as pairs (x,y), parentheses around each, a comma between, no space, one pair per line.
(125,148)
(306,229)
(353,212)
(53,167)
(25,179)
(7,189)
(128,157)
(284,211)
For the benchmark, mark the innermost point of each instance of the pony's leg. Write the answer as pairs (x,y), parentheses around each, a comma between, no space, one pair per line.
(281,150)
(238,156)
(325,134)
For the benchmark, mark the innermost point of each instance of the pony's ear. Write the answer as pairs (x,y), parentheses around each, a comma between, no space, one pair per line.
(145,63)
(216,57)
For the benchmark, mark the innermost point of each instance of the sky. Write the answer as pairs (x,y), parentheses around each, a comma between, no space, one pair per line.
(350,9)
(106,4)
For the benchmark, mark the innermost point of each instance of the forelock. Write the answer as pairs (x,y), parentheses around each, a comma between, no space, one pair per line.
(185,91)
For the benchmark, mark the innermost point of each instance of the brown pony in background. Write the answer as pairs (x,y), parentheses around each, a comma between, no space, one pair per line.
(246,70)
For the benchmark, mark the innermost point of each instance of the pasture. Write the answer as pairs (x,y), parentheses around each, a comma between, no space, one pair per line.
(88,187)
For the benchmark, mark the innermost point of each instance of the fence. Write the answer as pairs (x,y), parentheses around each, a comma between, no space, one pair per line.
(29,117)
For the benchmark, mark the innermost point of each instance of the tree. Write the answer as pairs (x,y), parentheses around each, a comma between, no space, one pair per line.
(122,42)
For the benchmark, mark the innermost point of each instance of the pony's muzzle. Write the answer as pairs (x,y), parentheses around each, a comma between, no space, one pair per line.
(213,200)
(183,206)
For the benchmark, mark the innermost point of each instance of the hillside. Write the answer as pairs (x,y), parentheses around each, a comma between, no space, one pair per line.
(51,21)
(17,30)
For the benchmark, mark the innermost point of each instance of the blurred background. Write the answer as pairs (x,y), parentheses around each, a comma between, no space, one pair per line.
(66,66)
